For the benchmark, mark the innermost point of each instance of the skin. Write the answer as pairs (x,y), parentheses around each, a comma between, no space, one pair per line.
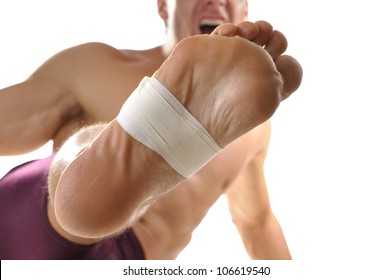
(89,83)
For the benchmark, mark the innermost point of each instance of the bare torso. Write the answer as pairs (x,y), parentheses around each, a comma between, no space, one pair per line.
(100,78)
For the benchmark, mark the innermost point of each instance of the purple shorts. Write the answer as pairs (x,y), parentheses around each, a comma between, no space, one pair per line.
(25,231)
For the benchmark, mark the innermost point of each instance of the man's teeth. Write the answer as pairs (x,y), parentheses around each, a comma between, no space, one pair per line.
(211,22)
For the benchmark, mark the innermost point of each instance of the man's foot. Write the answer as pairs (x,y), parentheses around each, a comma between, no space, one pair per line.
(232,82)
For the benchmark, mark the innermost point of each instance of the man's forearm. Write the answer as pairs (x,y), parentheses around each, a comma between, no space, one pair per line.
(265,240)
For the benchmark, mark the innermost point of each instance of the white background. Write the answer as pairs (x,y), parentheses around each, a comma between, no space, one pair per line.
(328,168)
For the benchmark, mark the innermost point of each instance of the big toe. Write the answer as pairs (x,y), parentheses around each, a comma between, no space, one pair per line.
(291,72)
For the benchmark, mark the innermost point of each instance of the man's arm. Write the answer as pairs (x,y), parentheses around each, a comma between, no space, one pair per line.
(251,211)
(33,111)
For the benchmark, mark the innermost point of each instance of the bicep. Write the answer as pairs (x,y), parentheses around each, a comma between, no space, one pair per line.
(32,112)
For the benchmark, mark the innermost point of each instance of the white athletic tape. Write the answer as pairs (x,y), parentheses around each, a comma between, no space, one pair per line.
(154,117)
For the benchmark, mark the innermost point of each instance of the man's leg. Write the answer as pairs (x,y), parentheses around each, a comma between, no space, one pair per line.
(216,79)
(166,228)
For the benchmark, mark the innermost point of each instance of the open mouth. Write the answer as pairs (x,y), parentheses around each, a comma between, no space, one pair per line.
(207,26)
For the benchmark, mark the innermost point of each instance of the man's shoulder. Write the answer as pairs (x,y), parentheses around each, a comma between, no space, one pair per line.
(93,50)
(261,135)
(94,57)
(98,53)
(257,140)
(77,57)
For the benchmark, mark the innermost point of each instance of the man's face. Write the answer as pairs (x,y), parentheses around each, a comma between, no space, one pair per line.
(185,18)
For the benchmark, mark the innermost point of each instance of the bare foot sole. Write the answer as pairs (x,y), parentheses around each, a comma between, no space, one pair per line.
(234,81)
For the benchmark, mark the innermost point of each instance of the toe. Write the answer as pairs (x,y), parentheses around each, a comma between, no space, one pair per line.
(248,30)
(277,44)
(226,29)
(291,73)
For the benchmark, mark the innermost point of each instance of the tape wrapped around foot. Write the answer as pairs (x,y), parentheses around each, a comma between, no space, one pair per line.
(155,118)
